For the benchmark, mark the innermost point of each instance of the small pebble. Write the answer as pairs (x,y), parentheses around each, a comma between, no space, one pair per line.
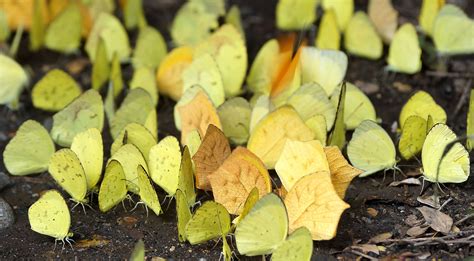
(4,180)
(6,214)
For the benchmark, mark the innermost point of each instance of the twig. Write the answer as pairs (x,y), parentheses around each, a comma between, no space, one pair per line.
(464,219)
(463,98)
(436,241)
(363,255)
(447,240)
(449,74)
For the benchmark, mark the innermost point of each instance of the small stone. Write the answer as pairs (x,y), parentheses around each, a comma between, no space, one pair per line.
(4,180)
(172,248)
(6,214)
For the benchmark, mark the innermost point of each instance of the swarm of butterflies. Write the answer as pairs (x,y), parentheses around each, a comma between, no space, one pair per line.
(295,123)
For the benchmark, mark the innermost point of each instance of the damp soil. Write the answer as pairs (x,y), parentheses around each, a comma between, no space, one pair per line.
(114,233)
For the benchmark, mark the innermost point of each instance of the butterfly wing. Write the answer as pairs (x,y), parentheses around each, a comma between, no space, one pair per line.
(29,151)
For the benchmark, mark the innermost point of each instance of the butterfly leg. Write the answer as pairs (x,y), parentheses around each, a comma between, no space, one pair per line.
(123,205)
(68,240)
(169,203)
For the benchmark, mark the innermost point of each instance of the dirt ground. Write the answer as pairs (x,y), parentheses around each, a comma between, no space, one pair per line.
(375,207)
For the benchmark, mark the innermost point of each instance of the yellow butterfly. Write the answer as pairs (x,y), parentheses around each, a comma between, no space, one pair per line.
(66,169)
(371,149)
(137,135)
(137,107)
(264,230)
(12,81)
(234,115)
(54,91)
(108,28)
(470,123)
(294,14)
(194,21)
(310,100)
(384,17)
(428,13)
(144,77)
(168,76)
(361,38)
(268,138)
(236,177)
(357,106)
(113,188)
(422,105)
(405,52)
(164,163)
(89,150)
(275,71)
(329,36)
(203,71)
(343,10)
(85,112)
(227,46)
(324,67)
(453,31)
(29,151)
(50,216)
(299,159)
(150,48)
(452,167)
(64,32)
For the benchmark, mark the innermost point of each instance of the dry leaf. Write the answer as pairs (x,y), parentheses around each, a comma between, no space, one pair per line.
(312,202)
(402,87)
(381,238)
(432,201)
(412,220)
(212,152)
(437,219)
(342,172)
(372,212)
(367,87)
(127,221)
(367,248)
(198,114)
(408,181)
(384,17)
(77,65)
(417,231)
(232,182)
(96,241)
